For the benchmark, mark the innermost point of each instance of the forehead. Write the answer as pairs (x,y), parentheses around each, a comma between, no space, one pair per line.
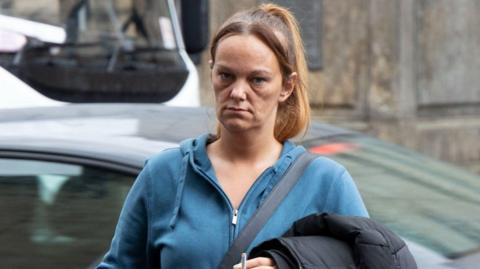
(245,51)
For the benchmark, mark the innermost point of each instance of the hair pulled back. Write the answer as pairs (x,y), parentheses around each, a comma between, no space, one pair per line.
(278,29)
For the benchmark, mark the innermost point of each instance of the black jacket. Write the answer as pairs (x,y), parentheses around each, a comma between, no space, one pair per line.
(340,242)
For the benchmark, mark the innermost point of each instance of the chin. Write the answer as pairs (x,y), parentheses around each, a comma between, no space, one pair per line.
(232,127)
(235,125)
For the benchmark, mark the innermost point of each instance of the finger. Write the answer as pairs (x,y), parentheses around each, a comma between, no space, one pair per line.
(257,263)
(260,261)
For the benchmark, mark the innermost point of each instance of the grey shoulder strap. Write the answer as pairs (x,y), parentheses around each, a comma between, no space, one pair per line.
(263,214)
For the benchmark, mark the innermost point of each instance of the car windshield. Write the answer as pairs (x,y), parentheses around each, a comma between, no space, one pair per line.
(425,201)
(131,23)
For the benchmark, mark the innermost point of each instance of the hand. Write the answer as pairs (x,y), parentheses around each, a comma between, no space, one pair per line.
(258,263)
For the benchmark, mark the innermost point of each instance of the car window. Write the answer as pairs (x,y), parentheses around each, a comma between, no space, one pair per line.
(57,215)
(431,203)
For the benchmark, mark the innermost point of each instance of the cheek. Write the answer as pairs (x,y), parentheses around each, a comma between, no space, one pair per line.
(221,95)
(217,88)
(269,98)
(264,104)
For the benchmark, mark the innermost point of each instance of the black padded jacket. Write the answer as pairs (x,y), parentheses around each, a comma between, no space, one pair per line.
(330,241)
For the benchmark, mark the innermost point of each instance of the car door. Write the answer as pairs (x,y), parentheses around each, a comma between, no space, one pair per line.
(57,211)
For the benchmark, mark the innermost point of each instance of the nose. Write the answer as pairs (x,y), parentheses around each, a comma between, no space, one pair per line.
(239,90)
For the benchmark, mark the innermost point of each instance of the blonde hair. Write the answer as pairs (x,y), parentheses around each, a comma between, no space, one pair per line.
(266,22)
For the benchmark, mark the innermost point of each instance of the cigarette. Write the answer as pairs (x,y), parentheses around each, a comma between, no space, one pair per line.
(244,261)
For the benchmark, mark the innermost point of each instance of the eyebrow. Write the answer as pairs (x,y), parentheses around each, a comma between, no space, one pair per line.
(259,71)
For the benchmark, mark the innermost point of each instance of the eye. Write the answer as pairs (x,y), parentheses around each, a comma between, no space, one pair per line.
(224,76)
(258,81)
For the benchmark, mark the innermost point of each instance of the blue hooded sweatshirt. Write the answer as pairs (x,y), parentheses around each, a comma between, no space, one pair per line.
(176,214)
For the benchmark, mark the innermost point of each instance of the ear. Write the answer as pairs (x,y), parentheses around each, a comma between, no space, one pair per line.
(210,63)
(288,86)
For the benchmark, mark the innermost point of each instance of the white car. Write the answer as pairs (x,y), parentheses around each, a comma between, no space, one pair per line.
(15,93)
(119,59)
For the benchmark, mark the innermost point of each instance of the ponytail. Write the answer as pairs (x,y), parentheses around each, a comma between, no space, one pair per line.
(296,115)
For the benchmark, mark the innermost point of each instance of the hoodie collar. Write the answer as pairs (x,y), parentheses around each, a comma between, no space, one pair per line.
(195,153)
(197,149)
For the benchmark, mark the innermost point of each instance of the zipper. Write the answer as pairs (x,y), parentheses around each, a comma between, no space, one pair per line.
(234,220)
(234,225)
(235,217)
(235,212)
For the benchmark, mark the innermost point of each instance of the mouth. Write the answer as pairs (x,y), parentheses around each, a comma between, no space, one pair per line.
(236,109)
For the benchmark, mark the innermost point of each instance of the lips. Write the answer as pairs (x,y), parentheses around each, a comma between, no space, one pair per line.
(234,108)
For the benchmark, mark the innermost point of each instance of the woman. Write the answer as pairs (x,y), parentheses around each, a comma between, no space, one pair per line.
(189,203)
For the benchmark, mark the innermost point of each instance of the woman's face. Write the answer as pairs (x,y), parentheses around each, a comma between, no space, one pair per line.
(247,82)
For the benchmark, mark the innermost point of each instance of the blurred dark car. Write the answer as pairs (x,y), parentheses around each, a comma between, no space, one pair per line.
(65,171)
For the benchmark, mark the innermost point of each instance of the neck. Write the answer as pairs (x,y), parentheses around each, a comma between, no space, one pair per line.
(248,146)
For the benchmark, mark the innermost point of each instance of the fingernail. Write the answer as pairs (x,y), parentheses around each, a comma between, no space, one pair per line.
(237,266)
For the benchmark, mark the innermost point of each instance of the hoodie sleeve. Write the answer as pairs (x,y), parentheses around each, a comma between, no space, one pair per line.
(129,247)
(344,198)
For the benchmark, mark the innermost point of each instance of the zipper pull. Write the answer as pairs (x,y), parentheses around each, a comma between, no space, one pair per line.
(235,217)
